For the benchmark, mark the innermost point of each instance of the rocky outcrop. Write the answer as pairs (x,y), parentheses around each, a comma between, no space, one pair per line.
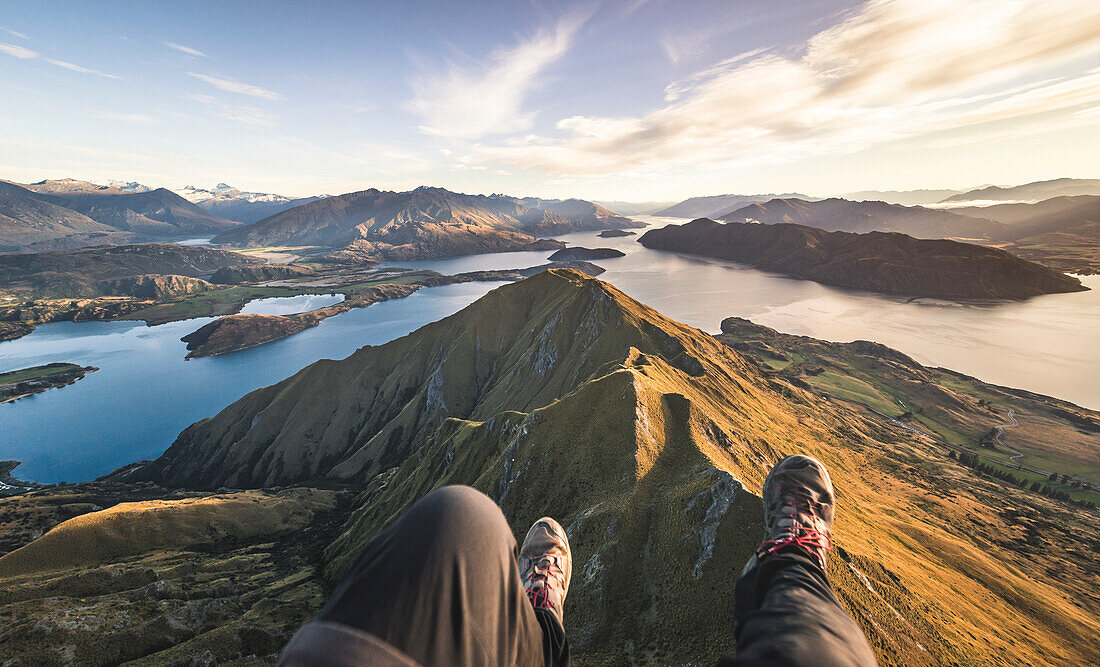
(880,262)
(584,254)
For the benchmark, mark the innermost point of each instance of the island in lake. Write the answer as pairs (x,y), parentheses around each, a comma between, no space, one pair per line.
(37,379)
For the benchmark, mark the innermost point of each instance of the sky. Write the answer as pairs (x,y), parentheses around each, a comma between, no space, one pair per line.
(636,100)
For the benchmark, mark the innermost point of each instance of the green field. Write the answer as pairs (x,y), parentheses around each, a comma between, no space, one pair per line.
(36,373)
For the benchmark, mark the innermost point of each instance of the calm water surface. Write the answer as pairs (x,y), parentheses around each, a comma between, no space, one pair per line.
(289,305)
(145,393)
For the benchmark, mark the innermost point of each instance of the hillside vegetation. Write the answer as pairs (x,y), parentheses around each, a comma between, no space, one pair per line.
(648,439)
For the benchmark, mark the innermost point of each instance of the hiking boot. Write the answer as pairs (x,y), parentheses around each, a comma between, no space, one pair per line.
(546,565)
(798,510)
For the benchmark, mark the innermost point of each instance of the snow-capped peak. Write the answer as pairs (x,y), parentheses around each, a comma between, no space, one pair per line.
(226,192)
(128,186)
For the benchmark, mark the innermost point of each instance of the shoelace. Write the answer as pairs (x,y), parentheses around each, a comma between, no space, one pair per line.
(800,534)
(538,570)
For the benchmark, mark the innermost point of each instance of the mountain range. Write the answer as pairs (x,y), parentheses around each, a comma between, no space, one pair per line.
(425,222)
(226,201)
(52,215)
(903,197)
(715,206)
(634,208)
(1033,192)
(559,395)
(841,215)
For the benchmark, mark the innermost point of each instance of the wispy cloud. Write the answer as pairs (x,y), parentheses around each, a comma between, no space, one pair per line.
(245,115)
(14,33)
(26,54)
(125,117)
(234,86)
(253,116)
(893,69)
(77,68)
(473,102)
(18,51)
(185,49)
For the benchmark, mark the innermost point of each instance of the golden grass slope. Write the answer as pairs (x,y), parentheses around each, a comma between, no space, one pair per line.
(132,529)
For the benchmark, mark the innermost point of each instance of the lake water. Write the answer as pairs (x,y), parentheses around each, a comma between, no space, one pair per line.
(289,305)
(145,393)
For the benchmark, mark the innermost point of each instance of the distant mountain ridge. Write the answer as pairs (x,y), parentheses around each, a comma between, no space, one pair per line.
(1037,191)
(230,203)
(903,197)
(841,215)
(55,215)
(425,222)
(891,263)
(1062,232)
(715,206)
(634,208)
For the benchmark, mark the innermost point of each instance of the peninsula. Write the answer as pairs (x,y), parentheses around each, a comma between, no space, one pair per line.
(891,263)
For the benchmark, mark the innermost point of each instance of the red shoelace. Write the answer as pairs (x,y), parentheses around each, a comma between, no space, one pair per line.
(539,570)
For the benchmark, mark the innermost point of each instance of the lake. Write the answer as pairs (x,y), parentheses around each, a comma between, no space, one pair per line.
(145,393)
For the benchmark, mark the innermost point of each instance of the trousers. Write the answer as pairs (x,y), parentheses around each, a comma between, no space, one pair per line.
(441,586)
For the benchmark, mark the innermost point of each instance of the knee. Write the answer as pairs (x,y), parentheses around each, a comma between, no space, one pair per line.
(461,517)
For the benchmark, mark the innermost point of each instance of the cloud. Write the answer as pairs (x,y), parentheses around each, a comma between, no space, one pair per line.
(126,117)
(892,69)
(26,54)
(18,51)
(468,103)
(185,49)
(245,115)
(14,33)
(82,70)
(232,86)
(248,116)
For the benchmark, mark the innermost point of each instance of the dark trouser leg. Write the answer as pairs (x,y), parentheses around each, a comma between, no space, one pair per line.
(787,614)
(442,585)
(555,645)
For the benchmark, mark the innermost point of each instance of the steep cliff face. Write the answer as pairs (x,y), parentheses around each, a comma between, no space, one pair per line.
(876,261)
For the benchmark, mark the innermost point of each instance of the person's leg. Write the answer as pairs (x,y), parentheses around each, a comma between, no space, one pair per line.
(785,609)
(442,585)
(546,567)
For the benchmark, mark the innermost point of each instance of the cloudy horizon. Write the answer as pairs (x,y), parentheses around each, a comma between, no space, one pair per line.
(646,100)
